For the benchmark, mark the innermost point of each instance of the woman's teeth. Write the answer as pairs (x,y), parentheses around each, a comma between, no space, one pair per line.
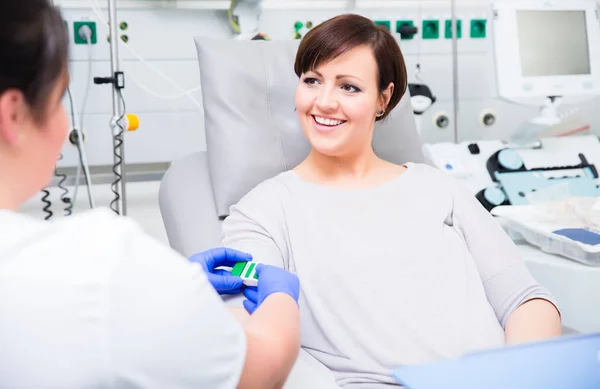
(328,122)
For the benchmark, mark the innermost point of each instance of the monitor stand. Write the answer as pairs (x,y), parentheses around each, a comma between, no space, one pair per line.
(548,112)
(529,132)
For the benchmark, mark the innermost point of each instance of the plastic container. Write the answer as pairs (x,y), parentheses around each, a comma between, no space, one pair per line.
(554,244)
(535,224)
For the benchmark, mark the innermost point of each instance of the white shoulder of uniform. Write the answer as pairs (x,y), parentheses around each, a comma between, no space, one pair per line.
(100,220)
(96,292)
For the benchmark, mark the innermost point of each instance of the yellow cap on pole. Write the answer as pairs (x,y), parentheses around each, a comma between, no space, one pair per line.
(133,121)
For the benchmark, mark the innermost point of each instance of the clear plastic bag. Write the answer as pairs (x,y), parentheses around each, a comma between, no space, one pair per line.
(557,204)
(537,223)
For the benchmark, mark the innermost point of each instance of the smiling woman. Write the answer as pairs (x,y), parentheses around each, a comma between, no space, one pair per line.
(383,59)
(453,280)
(351,75)
(338,104)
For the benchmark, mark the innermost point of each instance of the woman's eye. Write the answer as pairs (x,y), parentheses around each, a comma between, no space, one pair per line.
(310,81)
(350,88)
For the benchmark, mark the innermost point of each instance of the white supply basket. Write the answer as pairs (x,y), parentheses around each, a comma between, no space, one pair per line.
(535,223)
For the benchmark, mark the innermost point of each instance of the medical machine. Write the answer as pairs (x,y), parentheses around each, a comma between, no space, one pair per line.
(546,53)
(500,173)
(546,49)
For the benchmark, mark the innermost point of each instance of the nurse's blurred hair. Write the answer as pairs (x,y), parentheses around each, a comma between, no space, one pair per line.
(342,33)
(34,49)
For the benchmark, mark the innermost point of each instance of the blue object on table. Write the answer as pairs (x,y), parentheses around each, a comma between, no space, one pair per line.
(510,159)
(580,235)
(494,195)
(566,362)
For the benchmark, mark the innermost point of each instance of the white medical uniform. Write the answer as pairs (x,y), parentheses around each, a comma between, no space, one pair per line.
(92,302)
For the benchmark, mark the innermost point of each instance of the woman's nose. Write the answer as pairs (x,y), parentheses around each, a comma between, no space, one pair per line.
(326,101)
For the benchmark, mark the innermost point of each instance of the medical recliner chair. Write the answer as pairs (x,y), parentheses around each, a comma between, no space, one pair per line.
(252,134)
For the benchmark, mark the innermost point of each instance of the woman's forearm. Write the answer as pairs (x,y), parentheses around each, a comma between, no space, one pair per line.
(273,342)
(534,320)
(240,314)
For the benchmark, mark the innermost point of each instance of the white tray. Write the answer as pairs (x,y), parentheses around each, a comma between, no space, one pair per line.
(521,226)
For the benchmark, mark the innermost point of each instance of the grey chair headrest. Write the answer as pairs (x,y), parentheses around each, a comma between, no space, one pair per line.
(252,131)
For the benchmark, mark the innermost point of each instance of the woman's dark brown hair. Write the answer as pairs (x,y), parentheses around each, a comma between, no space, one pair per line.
(33,50)
(342,33)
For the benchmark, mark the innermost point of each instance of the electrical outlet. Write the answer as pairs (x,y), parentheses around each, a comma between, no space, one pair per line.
(406,29)
(79,40)
(431,29)
(478,28)
(448,30)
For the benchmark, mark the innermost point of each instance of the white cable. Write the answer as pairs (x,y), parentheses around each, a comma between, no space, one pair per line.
(80,149)
(82,163)
(86,171)
(78,174)
(184,92)
(88,84)
(77,178)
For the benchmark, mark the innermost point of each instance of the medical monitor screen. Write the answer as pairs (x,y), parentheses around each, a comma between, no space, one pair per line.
(553,43)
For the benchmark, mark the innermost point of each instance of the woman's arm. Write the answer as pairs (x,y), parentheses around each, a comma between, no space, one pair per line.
(240,314)
(534,320)
(511,290)
(272,331)
(273,343)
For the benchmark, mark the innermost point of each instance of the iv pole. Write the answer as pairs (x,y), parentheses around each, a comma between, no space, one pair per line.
(117,131)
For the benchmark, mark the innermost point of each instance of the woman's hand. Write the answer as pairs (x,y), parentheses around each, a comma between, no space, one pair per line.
(271,279)
(221,279)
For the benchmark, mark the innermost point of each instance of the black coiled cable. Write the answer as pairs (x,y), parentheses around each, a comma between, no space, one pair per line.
(64,191)
(118,157)
(48,204)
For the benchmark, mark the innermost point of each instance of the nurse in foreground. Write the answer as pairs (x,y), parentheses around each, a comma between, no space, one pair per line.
(92,301)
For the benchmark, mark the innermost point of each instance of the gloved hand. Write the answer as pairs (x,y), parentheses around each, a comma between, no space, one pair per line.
(221,279)
(271,280)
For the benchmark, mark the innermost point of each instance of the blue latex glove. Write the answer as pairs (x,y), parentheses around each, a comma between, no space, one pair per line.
(271,280)
(221,279)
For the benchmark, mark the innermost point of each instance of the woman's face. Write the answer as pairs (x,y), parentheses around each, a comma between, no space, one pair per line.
(337,103)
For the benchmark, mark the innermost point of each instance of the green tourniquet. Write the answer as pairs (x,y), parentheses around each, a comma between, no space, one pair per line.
(243,269)
(238,269)
(249,270)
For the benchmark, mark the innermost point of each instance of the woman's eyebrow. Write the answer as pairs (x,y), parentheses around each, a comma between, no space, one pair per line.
(347,76)
(339,76)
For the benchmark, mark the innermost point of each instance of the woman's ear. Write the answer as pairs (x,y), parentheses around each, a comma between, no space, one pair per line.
(12,115)
(386,95)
